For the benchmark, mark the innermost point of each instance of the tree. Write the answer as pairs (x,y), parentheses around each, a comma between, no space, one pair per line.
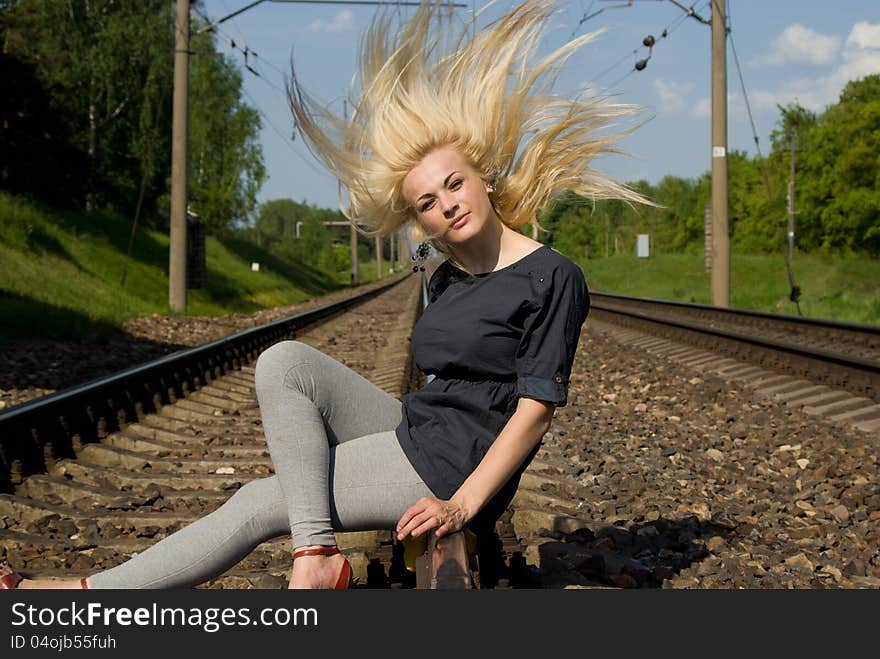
(102,64)
(679,220)
(839,172)
(226,160)
(86,112)
(295,231)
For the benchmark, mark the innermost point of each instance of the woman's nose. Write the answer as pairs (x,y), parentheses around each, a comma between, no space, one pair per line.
(449,205)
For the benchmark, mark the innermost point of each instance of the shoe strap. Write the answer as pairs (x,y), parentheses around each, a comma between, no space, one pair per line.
(318,551)
(344,581)
(10,581)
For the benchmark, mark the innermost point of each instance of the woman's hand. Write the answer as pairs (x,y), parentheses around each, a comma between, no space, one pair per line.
(429,513)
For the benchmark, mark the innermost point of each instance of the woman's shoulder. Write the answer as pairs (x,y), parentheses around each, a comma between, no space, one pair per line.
(562,263)
(441,278)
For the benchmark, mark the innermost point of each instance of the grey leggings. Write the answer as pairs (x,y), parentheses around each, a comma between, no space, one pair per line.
(338,466)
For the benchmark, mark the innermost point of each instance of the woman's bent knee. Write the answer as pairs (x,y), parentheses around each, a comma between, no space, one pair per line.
(277,360)
(260,503)
(283,352)
(259,489)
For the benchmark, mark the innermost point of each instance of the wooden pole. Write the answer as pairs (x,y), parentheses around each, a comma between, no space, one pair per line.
(720,230)
(179,140)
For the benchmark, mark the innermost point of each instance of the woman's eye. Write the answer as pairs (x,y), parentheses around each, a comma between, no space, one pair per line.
(456,184)
(427,206)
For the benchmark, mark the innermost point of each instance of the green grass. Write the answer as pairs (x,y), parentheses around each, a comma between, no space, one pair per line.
(845,289)
(60,277)
(61,272)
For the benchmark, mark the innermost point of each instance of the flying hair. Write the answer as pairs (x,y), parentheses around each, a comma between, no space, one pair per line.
(431,84)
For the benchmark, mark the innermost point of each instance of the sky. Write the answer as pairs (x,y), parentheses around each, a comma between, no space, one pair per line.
(789,51)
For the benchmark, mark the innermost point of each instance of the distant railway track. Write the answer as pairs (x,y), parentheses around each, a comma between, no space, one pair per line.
(836,354)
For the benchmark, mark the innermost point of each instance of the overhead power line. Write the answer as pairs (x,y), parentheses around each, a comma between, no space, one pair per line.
(649,41)
(366,3)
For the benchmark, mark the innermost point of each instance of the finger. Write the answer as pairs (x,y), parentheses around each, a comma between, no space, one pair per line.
(420,506)
(425,526)
(411,520)
(420,524)
(411,513)
(440,524)
(405,518)
(451,524)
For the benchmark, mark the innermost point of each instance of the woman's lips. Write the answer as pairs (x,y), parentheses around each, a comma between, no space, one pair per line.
(460,221)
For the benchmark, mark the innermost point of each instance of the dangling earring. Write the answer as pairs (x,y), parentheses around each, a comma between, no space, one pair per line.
(420,256)
(492,183)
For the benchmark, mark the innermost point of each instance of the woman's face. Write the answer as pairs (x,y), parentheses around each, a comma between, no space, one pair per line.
(450,199)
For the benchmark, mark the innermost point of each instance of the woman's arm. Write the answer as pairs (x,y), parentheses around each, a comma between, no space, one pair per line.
(523,430)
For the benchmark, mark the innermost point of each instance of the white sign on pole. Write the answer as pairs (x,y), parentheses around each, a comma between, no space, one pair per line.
(255,267)
(642,246)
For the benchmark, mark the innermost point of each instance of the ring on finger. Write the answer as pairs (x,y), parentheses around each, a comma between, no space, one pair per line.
(439,520)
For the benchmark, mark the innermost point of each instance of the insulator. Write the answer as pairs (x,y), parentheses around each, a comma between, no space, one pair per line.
(641,64)
(648,41)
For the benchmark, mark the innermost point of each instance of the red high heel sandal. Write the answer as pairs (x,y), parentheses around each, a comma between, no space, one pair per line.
(346,578)
(11,579)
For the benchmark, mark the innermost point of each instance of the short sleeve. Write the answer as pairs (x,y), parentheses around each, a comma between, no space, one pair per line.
(551,333)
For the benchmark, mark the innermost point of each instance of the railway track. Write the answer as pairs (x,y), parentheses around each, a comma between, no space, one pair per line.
(126,482)
(90,496)
(86,490)
(829,369)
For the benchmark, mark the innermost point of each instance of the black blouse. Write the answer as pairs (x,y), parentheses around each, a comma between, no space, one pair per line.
(488,339)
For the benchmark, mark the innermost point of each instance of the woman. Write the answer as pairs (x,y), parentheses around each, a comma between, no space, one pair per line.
(466,147)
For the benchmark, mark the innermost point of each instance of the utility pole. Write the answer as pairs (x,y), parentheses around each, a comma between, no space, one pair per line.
(391,246)
(177,258)
(353,246)
(795,294)
(353,238)
(378,257)
(404,252)
(720,231)
(793,145)
(179,139)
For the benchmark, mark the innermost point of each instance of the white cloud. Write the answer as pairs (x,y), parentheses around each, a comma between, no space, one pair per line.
(864,35)
(736,107)
(672,95)
(342,22)
(799,45)
(702,108)
(860,57)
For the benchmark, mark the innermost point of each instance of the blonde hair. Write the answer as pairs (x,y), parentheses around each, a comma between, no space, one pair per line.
(483,98)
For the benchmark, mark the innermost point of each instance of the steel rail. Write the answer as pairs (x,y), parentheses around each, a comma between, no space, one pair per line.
(40,431)
(863,328)
(863,373)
